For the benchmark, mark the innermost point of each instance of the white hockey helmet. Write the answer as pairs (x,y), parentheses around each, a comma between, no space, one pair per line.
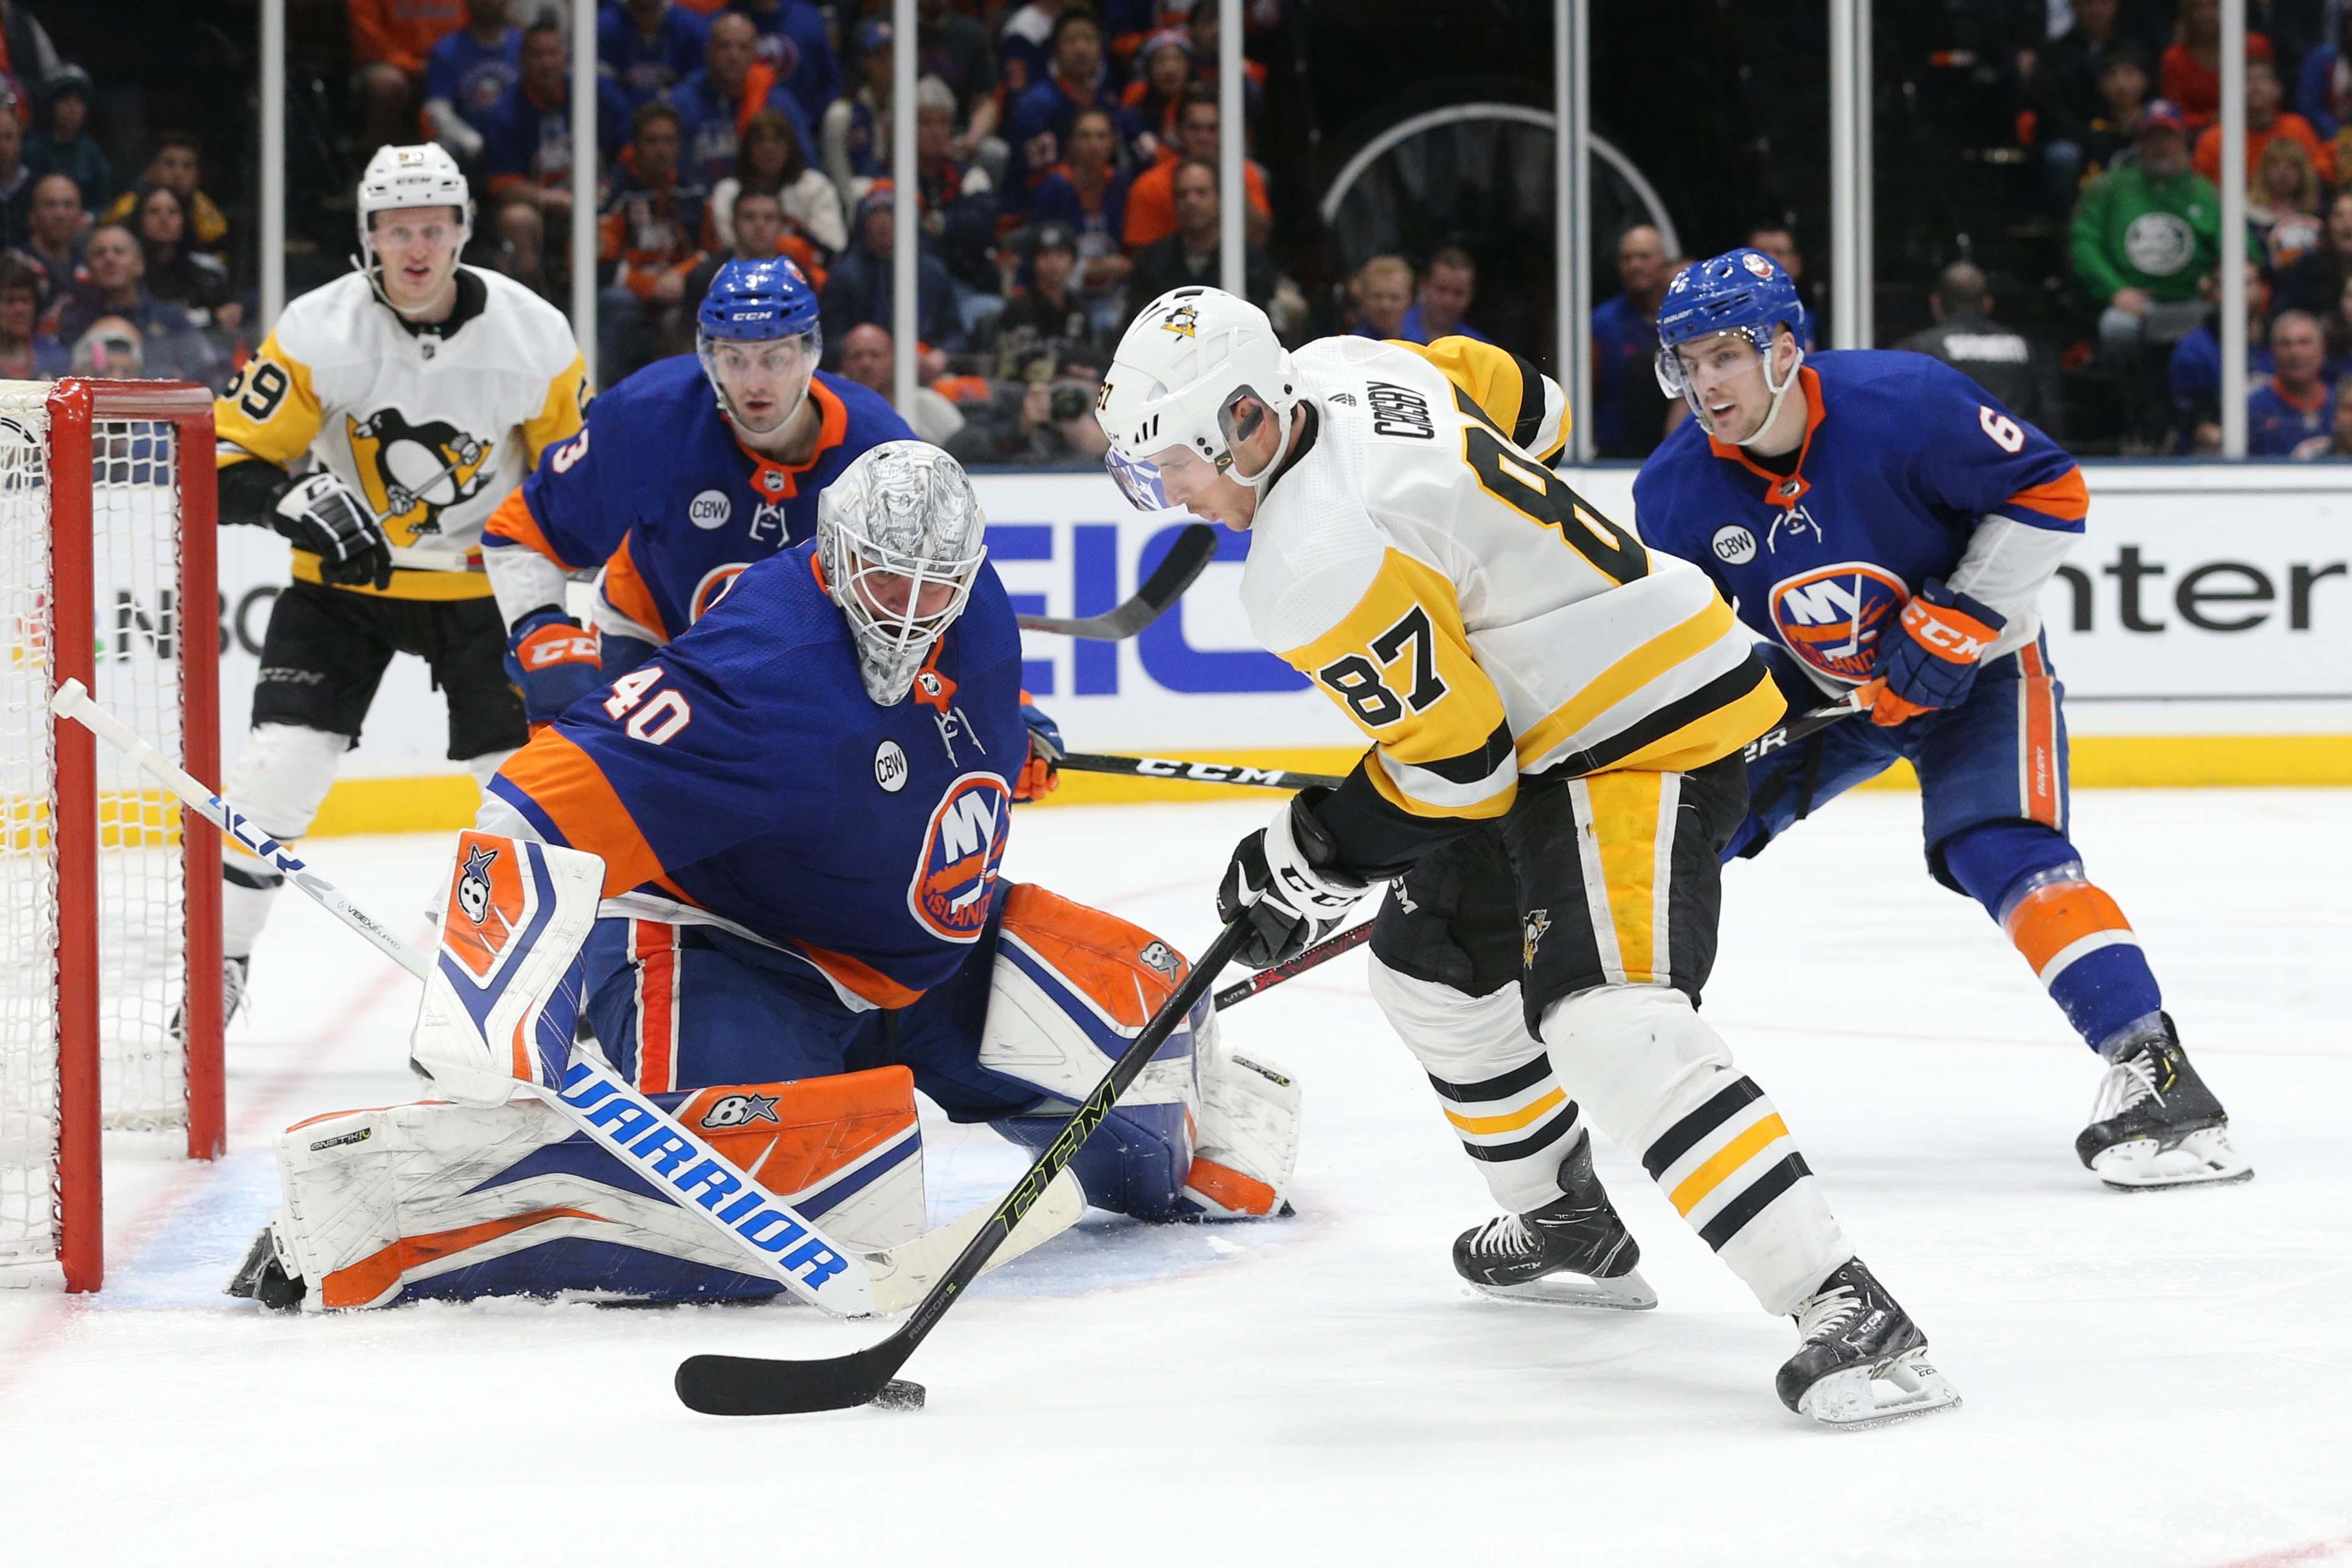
(1187,359)
(901,537)
(424,175)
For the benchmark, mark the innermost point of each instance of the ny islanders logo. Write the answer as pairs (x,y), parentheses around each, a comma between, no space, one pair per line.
(713,588)
(1830,616)
(488,904)
(961,850)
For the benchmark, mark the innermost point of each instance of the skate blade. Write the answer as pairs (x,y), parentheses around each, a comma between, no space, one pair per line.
(2203,1158)
(1864,1396)
(1628,1293)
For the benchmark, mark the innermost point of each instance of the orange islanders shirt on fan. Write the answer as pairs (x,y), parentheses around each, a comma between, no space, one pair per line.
(741,778)
(657,491)
(1908,471)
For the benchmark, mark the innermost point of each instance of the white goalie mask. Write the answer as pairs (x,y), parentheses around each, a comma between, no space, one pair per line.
(899,539)
(397,179)
(1169,397)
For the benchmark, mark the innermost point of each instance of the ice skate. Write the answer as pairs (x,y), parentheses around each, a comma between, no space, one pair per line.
(2155,1125)
(1863,1361)
(1575,1252)
(233,974)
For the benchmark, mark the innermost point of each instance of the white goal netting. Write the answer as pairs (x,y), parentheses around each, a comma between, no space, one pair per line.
(136,627)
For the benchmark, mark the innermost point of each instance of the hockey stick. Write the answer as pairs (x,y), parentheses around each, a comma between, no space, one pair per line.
(1330,947)
(1186,558)
(750,1386)
(1813,721)
(1194,772)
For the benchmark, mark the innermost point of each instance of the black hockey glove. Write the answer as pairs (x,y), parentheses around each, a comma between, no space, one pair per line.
(322,516)
(1281,874)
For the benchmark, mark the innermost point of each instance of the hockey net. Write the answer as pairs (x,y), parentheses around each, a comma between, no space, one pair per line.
(110,894)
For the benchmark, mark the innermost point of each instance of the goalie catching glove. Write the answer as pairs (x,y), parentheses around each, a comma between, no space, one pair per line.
(552,662)
(1932,664)
(1283,876)
(323,515)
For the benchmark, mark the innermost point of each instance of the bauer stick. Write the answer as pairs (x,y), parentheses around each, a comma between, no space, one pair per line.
(592,1098)
(749,1385)
(1186,558)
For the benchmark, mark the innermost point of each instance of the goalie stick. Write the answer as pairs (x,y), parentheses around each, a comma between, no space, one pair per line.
(1186,558)
(750,1386)
(863,1284)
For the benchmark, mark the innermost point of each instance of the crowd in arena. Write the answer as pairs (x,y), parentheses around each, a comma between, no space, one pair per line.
(1068,171)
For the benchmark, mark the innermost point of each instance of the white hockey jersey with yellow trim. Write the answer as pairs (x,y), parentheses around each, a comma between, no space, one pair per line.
(1475,618)
(430,428)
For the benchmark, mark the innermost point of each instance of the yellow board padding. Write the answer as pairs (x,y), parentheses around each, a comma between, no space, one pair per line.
(2188,762)
(437,803)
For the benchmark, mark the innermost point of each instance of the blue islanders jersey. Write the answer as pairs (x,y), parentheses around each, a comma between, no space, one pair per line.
(659,491)
(1903,459)
(743,777)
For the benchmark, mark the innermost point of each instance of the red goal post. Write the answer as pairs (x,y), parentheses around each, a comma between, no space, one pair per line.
(110,889)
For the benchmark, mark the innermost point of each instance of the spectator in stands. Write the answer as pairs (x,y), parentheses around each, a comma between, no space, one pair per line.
(26,353)
(1628,412)
(390,40)
(857,128)
(959,203)
(1025,47)
(1779,241)
(17,183)
(1204,23)
(2338,442)
(712,103)
(468,73)
(651,233)
(2282,204)
(755,230)
(794,41)
(858,288)
(171,346)
(955,48)
(2190,74)
(1163,70)
(2323,87)
(28,60)
(53,250)
(866,352)
(2314,280)
(1047,420)
(1152,199)
(1190,256)
(773,161)
(177,162)
(527,156)
(2194,370)
(2266,122)
(64,146)
(2114,130)
(1047,317)
(2293,403)
(1039,125)
(2144,235)
(2003,361)
(1088,194)
(1446,290)
(1381,293)
(2066,96)
(648,46)
(196,283)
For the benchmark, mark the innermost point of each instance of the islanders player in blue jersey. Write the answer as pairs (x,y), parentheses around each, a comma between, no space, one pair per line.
(1883,523)
(800,804)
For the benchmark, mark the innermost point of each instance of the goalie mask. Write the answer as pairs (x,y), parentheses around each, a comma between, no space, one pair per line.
(399,178)
(899,537)
(1171,401)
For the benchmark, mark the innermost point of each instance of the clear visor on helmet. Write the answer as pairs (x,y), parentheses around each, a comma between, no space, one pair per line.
(1174,475)
(1719,368)
(899,604)
(760,383)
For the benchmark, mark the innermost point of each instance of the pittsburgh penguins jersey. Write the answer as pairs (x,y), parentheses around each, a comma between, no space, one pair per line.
(657,491)
(741,778)
(1908,471)
(431,425)
(1418,559)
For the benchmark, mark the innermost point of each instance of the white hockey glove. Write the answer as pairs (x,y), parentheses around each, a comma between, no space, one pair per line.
(1281,876)
(323,515)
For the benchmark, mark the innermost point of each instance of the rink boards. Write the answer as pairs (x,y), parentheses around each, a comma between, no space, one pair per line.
(2203,629)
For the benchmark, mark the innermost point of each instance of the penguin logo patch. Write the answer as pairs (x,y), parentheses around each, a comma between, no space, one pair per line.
(1184,321)
(411,473)
(890,767)
(1538,922)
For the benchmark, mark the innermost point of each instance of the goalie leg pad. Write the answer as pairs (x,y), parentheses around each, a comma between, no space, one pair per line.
(435,1201)
(1249,1130)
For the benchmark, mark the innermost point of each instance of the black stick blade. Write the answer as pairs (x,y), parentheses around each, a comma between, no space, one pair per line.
(1186,560)
(746,1386)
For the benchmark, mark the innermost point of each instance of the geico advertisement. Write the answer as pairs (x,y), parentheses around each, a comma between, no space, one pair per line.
(2213,586)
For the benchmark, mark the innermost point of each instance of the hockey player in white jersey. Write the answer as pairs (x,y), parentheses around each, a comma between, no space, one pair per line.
(417,392)
(1556,717)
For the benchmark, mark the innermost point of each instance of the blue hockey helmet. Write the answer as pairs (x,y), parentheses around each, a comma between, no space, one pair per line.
(1742,291)
(755,301)
(756,334)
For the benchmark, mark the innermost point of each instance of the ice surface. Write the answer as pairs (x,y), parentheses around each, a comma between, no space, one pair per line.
(2150,1380)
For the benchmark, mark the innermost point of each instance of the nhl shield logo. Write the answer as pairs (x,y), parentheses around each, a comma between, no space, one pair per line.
(950,895)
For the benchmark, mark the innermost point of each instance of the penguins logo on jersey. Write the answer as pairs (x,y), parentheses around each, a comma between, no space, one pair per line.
(961,850)
(1830,616)
(411,473)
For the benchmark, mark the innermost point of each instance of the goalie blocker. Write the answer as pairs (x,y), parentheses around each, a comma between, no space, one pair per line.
(452,1201)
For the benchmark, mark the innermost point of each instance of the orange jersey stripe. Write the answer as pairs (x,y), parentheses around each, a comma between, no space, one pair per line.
(513,520)
(566,782)
(860,979)
(2065,497)
(625,591)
